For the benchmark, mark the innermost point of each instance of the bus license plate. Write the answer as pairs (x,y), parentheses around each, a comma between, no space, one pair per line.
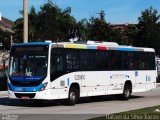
(25,97)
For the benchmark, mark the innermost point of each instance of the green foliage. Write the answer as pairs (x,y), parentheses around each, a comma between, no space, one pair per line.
(5,39)
(144,113)
(50,23)
(148,30)
(18,28)
(131,33)
(117,36)
(53,23)
(98,28)
(83,29)
(32,32)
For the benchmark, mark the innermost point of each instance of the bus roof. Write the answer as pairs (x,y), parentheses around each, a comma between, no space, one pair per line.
(32,43)
(90,45)
(102,47)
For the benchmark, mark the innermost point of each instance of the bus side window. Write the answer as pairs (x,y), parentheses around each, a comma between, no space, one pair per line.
(57,64)
(102,60)
(149,59)
(87,61)
(84,60)
(128,61)
(72,60)
(116,60)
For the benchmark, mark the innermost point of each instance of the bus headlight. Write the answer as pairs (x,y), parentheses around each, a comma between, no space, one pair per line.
(43,86)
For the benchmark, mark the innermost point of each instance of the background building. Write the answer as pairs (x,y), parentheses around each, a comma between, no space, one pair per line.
(5,26)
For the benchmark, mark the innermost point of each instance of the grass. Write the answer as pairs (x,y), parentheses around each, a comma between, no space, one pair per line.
(139,114)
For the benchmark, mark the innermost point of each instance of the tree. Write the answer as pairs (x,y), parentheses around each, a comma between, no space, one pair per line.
(5,39)
(54,23)
(149,29)
(117,36)
(50,23)
(47,21)
(66,23)
(18,26)
(98,28)
(131,33)
(32,32)
(83,29)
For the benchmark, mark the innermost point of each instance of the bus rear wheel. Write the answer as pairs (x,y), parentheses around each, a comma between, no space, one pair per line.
(126,92)
(73,96)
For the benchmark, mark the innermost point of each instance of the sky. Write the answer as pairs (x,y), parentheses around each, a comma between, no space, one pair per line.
(117,11)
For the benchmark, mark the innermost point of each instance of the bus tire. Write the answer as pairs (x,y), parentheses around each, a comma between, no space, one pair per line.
(126,92)
(73,96)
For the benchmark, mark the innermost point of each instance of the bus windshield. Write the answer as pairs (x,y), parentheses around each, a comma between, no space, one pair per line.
(28,62)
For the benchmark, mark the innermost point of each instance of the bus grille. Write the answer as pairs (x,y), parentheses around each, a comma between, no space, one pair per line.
(26,84)
(30,95)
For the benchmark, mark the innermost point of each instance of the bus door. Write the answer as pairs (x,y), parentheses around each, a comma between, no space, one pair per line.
(151,72)
(117,80)
(140,73)
(139,81)
(117,75)
(93,67)
(101,76)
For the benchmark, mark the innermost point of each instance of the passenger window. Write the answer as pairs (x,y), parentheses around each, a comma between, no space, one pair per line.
(139,61)
(57,63)
(116,60)
(128,61)
(102,60)
(72,60)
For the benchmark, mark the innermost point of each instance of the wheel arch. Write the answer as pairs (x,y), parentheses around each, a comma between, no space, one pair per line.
(129,82)
(76,86)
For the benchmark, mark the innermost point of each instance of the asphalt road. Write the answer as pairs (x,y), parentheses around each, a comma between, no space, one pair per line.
(86,108)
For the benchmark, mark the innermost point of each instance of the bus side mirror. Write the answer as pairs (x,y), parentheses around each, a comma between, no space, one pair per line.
(7,72)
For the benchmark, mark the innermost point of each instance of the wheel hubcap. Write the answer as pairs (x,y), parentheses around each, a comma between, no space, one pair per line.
(72,96)
(126,92)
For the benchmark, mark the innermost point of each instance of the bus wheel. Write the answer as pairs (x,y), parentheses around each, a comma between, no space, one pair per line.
(73,96)
(126,92)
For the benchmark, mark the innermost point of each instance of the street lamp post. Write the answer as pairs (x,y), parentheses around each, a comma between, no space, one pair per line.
(25,23)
